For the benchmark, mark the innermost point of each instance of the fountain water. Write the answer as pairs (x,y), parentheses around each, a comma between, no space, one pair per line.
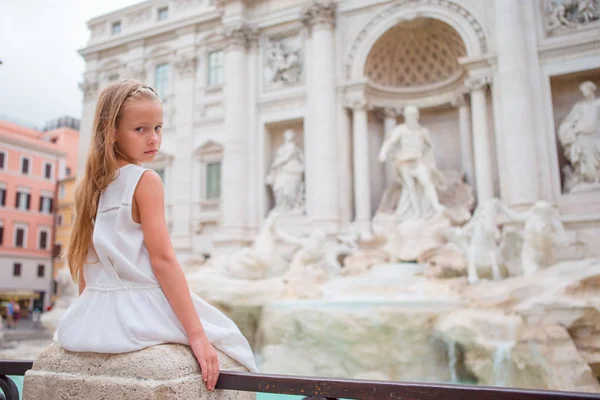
(452,360)
(502,364)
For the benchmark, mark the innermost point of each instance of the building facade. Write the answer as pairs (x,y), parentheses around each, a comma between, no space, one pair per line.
(493,80)
(30,167)
(63,134)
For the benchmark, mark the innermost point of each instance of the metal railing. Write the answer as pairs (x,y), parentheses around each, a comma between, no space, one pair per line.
(333,389)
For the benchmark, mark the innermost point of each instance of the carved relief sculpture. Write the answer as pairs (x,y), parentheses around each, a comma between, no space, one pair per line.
(570,13)
(286,175)
(579,135)
(283,62)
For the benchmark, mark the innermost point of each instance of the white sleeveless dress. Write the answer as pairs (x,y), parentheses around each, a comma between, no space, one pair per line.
(123,307)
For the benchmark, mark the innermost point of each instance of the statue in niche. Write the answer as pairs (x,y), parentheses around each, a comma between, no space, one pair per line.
(284,64)
(410,151)
(286,175)
(579,135)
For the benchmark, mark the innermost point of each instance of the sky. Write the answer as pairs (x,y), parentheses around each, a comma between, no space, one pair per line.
(41,67)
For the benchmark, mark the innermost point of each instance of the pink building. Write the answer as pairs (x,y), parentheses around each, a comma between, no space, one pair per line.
(31,164)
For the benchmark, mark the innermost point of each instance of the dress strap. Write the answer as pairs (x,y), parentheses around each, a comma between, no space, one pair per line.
(134,174)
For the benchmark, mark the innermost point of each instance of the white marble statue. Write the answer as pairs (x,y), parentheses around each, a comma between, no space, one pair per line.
(579,135)
(262,259)
(480,239)
(284,64)
(311,264)
(286,175)
(410,151)
(66,292)
(543,231)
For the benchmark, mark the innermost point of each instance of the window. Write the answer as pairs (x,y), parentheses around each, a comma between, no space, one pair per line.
(23,200)
(43,239)
(1,233)
(161,79)
(215,67)
(25,166)
(115,28)
(163,13)
(61,191)
(59,219)
(17,269)
(68,172)
(47,170)
(40,271)
(161,172)
(20,236)
(57,250)
(46,204)
(2,195)
(2,159)
(213,181)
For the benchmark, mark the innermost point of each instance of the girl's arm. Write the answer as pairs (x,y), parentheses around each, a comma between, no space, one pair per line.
(150,205)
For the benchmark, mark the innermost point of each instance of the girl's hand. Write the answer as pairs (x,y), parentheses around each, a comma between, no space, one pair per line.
(207,358)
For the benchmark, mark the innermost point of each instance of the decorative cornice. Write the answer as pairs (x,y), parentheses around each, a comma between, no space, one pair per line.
(478,82)
(460,99)
(241,36)
(185,65)
(357,104)
(319,12)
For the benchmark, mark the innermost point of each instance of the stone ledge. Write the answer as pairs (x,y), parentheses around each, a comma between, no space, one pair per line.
(166,372)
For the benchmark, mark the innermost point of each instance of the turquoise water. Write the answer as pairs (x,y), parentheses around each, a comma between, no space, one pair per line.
(260,396)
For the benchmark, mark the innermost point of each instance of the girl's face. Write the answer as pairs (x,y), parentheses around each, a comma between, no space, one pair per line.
(139,133)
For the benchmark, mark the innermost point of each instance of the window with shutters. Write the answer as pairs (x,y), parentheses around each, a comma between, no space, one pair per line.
(2,195)
(23,200)
(2,159)
(47,170)
(20,239)
(17,269)
(45,204)
(25,165)
(43,239)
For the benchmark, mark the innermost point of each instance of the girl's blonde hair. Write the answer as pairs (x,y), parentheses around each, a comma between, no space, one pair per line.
(101,165)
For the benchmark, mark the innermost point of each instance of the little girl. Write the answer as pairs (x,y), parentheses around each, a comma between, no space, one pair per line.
(133,293)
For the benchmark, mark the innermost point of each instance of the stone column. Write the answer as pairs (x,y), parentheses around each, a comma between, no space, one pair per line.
(360,150)
(89,87)
(184,71)
(390,121)
(322,201)
(466,142)
(519,166)
(234,174)
(484,182)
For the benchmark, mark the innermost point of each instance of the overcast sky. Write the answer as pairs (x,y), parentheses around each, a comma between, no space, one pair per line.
(41,68)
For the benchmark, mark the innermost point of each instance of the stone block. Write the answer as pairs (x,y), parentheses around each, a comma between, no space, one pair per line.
(165,372)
